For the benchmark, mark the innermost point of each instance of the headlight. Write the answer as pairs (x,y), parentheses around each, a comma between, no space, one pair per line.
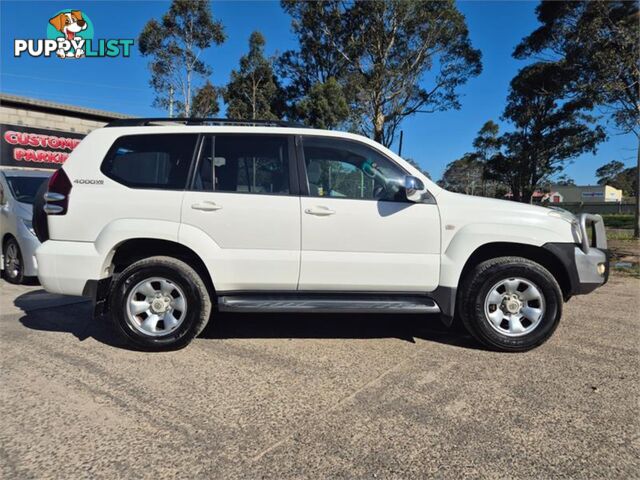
(28,225)
(576,231)
(569,218)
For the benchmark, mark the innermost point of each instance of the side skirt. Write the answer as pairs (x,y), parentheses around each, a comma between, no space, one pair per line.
(325,302)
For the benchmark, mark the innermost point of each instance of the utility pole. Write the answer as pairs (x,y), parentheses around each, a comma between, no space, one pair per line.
(636,214)
(170,101)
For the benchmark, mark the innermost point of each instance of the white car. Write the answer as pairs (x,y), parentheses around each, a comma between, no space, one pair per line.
(164,223)
(18,188)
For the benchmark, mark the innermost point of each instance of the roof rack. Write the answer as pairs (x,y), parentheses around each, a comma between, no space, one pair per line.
(145,122)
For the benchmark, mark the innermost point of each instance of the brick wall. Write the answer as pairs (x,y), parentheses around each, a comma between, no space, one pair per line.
(17,116)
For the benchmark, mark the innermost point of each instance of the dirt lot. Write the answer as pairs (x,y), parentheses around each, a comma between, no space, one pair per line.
(319,397)
(625,251)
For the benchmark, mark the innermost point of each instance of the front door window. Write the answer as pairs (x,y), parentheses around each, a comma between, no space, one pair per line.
(344,169)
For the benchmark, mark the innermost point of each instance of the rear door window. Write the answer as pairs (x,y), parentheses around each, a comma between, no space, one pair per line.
(244,164)
(151,161)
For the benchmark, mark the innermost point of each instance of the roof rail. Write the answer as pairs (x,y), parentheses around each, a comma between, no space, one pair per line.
(145,122)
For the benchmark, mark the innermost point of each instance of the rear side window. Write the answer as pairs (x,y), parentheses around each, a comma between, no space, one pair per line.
(151,161)
(244,163)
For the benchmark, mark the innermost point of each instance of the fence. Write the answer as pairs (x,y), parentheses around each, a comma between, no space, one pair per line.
(596,207)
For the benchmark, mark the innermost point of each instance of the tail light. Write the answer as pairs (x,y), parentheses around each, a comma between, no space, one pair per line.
(57,196)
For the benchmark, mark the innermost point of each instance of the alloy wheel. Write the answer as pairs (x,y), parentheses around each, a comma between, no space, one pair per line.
(156,306)
(12,261)
(514,307)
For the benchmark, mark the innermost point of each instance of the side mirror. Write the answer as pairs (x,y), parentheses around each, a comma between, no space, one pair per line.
(414,188)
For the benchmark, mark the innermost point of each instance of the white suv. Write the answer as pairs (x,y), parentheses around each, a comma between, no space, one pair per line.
(165,222)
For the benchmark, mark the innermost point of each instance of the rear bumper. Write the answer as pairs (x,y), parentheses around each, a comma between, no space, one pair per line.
(65,267)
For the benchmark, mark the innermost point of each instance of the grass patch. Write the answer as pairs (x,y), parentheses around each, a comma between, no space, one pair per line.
(632,271)
(618,220)
(619,234)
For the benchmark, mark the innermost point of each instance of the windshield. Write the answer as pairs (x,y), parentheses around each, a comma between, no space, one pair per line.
(24,189)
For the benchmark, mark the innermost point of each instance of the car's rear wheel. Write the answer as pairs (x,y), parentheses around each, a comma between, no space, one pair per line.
(13,265)
(510,303)
(160,303)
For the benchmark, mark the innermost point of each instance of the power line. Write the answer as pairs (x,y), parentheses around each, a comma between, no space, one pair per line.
(65,98)
(33,77)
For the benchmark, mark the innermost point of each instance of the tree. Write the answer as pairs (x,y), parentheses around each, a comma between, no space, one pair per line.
(596,46)
(416,165)
(392,58)
(464,175)
(253,91)
(316,25)
(175,45)
(324,107)
(564,180)
(487,144)
(205,102)
(615,174)
(627,181)
(549,130)
(609,171)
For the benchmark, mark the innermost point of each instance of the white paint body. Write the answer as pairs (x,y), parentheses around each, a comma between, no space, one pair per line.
(270,242)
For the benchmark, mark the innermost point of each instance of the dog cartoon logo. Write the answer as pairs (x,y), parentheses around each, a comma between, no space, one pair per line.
(70,25)
(70,34)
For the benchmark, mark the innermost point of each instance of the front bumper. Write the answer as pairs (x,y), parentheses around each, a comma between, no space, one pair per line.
(587,264)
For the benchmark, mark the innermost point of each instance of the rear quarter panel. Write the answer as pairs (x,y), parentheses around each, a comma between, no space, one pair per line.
(96,201)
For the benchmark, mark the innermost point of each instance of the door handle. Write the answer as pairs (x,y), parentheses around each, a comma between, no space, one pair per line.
(320,211)
(206,206)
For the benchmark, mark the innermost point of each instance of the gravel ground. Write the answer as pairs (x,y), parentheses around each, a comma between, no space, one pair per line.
(318,397)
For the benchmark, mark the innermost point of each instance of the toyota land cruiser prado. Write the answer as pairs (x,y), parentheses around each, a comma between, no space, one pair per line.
(164,222)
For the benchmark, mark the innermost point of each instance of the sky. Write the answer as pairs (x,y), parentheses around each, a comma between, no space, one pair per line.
(122,84)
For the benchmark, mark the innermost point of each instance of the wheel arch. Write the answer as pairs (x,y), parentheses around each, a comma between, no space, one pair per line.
(531,252)
(7,236)
(134,249)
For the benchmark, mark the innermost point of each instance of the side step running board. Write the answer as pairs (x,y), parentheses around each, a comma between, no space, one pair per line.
(327,303)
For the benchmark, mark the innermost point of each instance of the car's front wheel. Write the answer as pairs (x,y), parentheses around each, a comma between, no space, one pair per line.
(510,303)
(159,303)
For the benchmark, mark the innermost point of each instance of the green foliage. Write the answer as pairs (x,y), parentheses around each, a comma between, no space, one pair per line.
(316,25)
(595,45)
(174,45)
(253,91)
(324,107)
(487,143)
(618,221)
(417,166)
(384,55)
(549,130)
(615,174)
(464,175)
(609,171)
(564,180)
(469,174)
(205,102)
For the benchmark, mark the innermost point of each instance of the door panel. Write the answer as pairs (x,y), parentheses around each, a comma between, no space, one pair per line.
(367,245)
(244,205)
(359,232)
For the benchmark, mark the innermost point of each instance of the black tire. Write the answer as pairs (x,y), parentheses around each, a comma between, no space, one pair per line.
(478,283)
(13,273)
(179,273)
